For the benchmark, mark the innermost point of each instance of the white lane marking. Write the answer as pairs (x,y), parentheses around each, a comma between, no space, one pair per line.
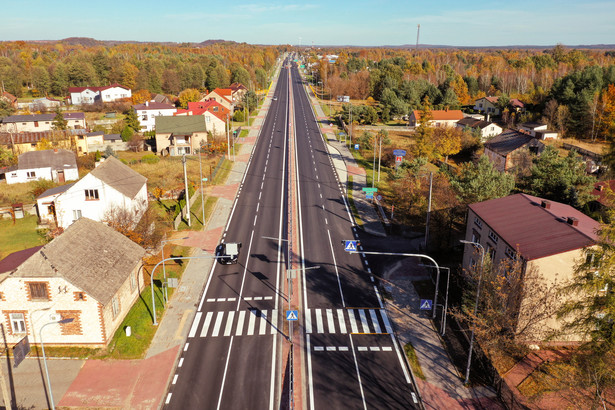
(181,362)
(330,321)
(268,298)
(371,277)
(362,349)
(308,321)
(319,327)
(274,321)
(319,348)
(331,348)
(211,300)
(372,313)
(258,206)
(364,321)
(387,324)
(255,218)
(168,400)
(259,195)
(229,323)
(343,348)
(366,262)
(231,299)
(341,321)
(320,196)
(374,349)
(221,300)
(186,347)
(195,324)
(353,322)
(248,298)
(263,328)
(356,364)
(337,273)
(228,358)
(258,298)
(251,323)
(206,324)
(326,221)
(379,298)
(174,379)
(217,324)
(387,349)
(240,319)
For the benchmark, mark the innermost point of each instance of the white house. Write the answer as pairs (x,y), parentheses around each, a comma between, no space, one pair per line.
(45,203)
(107,189)
(58,165)
(40,122)
(149,110)
(91,95)
(487,129)
(538,130)
(90,274)
(439,118)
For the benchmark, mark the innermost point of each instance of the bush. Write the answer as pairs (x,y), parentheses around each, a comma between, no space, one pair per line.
(150,159)
(238,116)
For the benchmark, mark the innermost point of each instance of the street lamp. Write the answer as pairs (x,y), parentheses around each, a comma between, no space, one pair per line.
(164,271)
(445,310)
(480,278)
(40,336)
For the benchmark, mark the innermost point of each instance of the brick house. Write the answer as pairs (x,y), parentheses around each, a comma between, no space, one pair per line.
(90,273)
(547,235)
(22,142)
(506,149)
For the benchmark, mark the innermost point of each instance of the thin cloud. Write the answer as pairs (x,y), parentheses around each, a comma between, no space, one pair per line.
(267,8)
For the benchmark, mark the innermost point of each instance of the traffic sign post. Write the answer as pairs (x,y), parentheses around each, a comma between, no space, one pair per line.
(292,315)
(426,304)
(350,246)
(372,190)
(369,195)
(356,147)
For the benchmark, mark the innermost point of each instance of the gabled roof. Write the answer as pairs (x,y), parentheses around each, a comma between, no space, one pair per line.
(95,89)
(537,231)
(153,105)
(12,261)
(532,125)
(492,100)
(441,115)
(200,107)
(514,102)
(600,190)
(237,86)
(42,117)
(511,140)
(120,177)
(56,159)
(90,255)
(55,191)
(10,97)
(185,124)
(95,134)
(223,91)
(8,138)
(474,123)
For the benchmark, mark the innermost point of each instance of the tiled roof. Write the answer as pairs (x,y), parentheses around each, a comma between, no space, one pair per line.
(600,190)
(474,123)
(90,255)
(441,115)
(511,140)
(42,117)
(8,138)
(12,261)
(180,124)
(516,103)
(120,176)
(55,190)
(56,159)
(534,230)
(152,105)
(237,86)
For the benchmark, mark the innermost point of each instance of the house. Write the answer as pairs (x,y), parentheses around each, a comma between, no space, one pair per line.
(44,104)
(546,235)
(109,188)
(9,99)
(45,203)
(161,98)
(238,91)
(90,273)
(58,165)
(516,105)
(28,141)
(149,110)
(487,129)
(439,118)
(489,105)
(216,115)
(40,122)
(603,194)
(223,96)
(180,134)
(506,149)
(92,95)
(538,130)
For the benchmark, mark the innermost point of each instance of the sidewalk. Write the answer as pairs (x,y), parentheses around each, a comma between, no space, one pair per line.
(141,384)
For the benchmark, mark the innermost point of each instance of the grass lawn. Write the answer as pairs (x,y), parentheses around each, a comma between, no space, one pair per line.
(414,361)
(353,207)
(16,193)
(21,235)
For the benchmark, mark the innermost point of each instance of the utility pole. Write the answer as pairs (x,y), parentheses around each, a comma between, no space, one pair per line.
(379,156)
(418,31)
(428,210)
(202,199)
(350,126)
(186,188)
(228,140)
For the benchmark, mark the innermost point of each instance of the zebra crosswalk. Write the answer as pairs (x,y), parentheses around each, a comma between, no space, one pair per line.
(256,322)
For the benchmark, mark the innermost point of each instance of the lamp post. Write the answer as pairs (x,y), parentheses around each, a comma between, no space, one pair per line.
(445,307)
(480,278)
(40,336)
(164,291)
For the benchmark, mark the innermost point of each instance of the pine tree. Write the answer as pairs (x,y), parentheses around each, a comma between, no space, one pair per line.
(59,123)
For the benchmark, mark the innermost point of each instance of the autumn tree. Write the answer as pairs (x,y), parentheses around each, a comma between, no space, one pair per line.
(446,141)
(189,95)
(423,135)
(140,96)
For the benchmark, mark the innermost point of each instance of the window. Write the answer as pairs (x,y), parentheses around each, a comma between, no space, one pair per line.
(478,222)
(491,252)
(475,236)
(91,194)
(493,237)
(510,252)
(38,291)
(207,119)
(79,296)
(18,322)
(115,306)
(36,123)
(31,174)
(76,214)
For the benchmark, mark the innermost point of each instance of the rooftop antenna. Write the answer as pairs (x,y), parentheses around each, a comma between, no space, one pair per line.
(418,31)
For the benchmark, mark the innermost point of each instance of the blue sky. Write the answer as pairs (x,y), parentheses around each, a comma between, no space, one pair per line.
(333,22)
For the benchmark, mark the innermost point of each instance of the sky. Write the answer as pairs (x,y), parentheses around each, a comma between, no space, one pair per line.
(318,22)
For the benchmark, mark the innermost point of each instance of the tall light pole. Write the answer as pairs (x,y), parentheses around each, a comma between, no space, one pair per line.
(480,278)
(40,336)
(187,193)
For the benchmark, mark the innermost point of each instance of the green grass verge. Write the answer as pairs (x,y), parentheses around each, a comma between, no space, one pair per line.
(353,207)
(244,133)
(414,361)
(19,236)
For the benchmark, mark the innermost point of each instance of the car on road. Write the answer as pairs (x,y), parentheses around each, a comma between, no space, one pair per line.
(228,253)
(275,98)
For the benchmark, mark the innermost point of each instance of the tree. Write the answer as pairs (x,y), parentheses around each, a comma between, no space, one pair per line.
(189,95)
(141,96)
(59,123)
(131,120)
(477,182)
(423,144)
(127,133)
(446,141)
(7,158)
(560,178)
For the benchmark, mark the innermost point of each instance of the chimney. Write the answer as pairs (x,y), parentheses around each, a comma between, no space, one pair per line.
(55,150)
(545,204)
(600,187)
(572,221)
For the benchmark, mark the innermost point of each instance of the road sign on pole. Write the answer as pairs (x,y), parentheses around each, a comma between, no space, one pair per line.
(426,304)
(369,195)
(292,315)
(368,189)
(350,246)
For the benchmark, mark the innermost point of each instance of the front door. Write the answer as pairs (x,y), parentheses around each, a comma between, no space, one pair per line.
(61,176)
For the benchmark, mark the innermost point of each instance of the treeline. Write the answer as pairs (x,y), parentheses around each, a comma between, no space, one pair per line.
(402,80)
(35,69)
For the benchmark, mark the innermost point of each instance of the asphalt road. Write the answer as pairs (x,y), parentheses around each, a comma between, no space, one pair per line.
(353,360)
(232,355)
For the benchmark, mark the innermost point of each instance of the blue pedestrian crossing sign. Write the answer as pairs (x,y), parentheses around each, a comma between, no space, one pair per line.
(350,246)
(426,304)
(292,315)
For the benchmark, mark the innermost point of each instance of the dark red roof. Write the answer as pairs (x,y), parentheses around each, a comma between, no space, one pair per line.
(537,232)
(15,259)
(600,190)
